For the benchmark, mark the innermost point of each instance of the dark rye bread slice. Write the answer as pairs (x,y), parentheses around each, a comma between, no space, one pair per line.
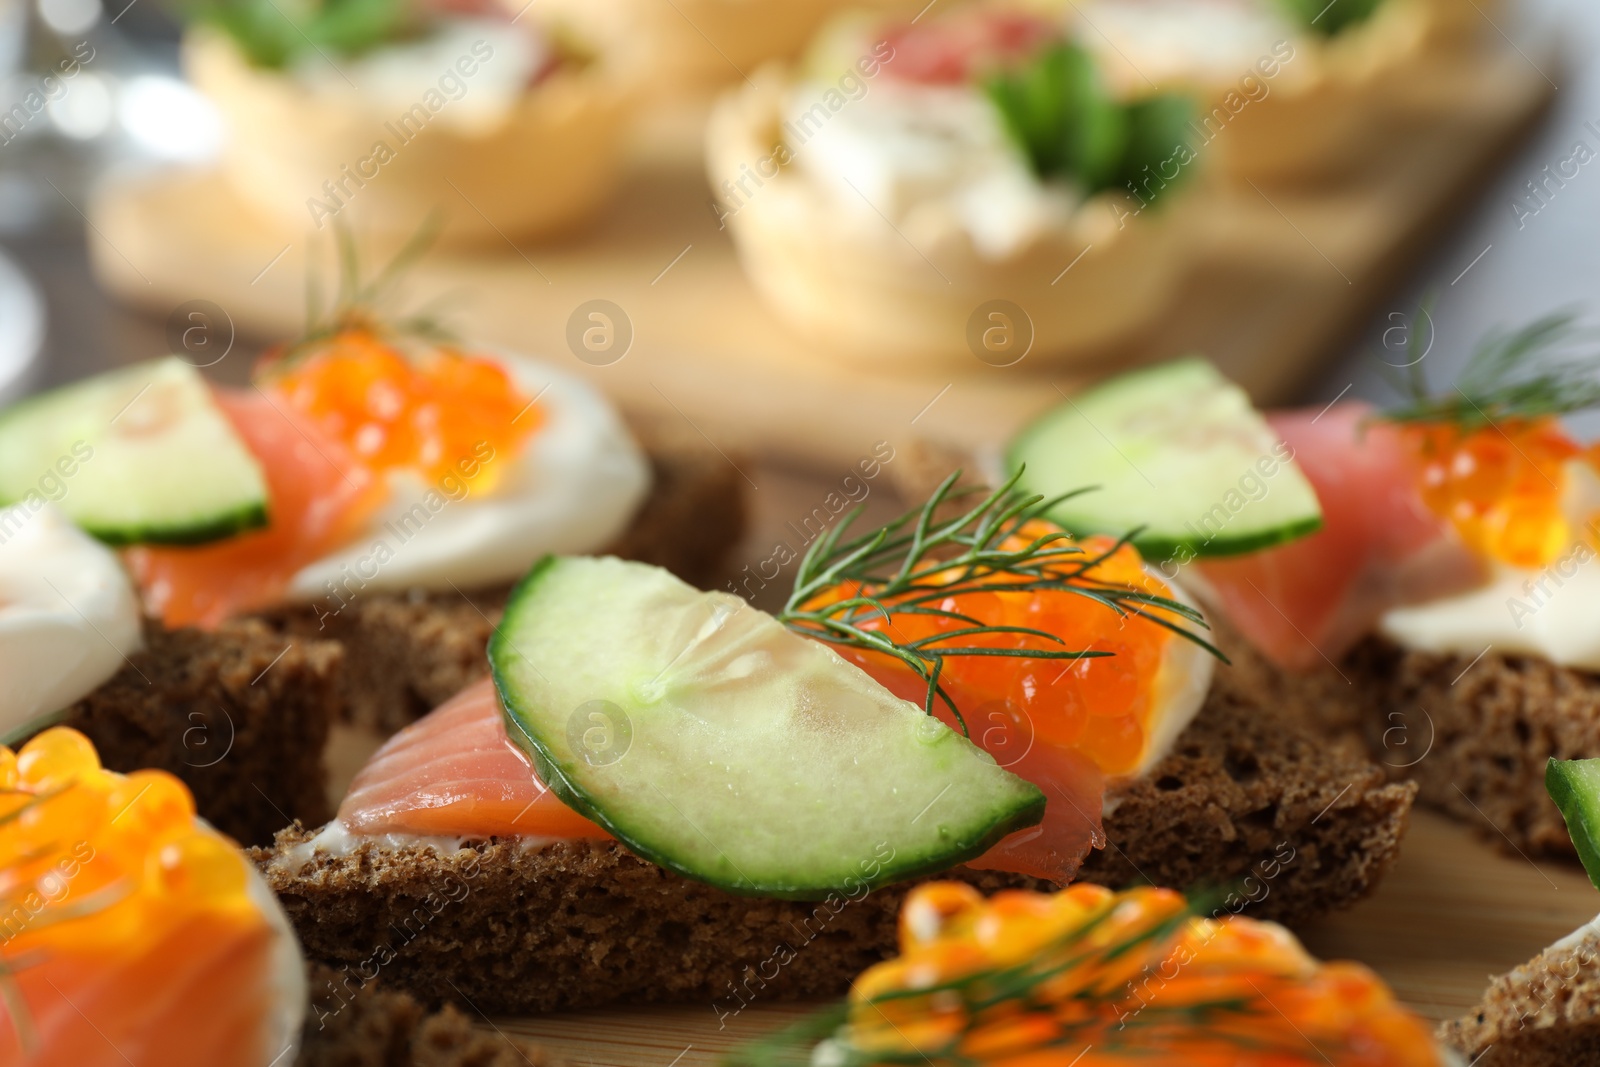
(354,1023)
(1243,797)
(1474,732)
(406,653)
(241,715)
(1545,1013)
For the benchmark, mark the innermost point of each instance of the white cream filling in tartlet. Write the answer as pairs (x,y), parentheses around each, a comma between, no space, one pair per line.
(924,157)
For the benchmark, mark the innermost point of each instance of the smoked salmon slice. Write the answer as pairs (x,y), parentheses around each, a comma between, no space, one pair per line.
(1308,602)
(456,773)
(320,496)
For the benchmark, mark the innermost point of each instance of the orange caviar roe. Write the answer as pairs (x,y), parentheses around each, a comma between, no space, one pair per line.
(1100,978)
(124,924)
(1500,486)
(438,411)
(1100,707)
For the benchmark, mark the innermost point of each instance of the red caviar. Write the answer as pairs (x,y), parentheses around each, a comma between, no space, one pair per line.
(427,411)
(1100,978)
(1100,707)
(128,930)
(1500,487)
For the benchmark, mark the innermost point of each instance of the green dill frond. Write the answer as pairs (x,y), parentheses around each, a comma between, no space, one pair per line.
(272,34)
(1548,367)
(364,304)
(911,564)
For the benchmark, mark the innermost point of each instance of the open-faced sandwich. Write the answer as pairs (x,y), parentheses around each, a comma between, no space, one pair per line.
(963,184)
(669,795)
(1099,979)
(1546,1013)
(131,932)
(376,487)
(378,112)
(1420,575)
(1287,88)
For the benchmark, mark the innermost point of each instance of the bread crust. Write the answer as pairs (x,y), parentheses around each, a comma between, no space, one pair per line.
(240,714)
(1545,1013)
(578,924)
(1474,732)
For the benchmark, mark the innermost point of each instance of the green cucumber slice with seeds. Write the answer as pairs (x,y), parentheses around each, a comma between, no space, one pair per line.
(1175,449)
(714,742)
(1574,785)
(139,455)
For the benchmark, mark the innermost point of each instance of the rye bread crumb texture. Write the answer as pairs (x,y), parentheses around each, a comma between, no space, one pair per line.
(1474,732)
(241,715)
(354,1024)
(1545,1013)
(408,653)
(583,923)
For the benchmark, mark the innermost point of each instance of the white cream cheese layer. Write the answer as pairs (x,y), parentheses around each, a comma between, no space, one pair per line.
(68,614)
(1550,613)
(468,73)
(926,158)
(1180,689)
(1167,41)
(572,489)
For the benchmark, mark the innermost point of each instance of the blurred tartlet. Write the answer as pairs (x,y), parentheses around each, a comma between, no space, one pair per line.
(960,187)
(380,116)
(1289,89)
(699,44)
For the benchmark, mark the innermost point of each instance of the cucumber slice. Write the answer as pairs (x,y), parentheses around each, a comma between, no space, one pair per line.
(1175,449)
(713,741)
(139,455)
(1574,785)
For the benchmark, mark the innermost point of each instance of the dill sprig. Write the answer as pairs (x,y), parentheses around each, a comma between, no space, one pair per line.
(1536,371)
(823,1039)
(363,304)
(910,564)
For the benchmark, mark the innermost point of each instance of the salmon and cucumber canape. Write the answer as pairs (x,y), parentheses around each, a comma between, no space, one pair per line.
(1104,979)
(718,803)
(1420,575)
(360,508)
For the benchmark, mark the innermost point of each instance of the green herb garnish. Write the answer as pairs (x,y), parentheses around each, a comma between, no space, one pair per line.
(273,33)
(1574,785)
(910,565)
(1329,17)
(1057,109)
(1530,373)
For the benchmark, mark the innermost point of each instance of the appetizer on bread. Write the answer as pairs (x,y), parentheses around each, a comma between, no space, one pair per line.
(973,694)
(1101,979)
(1417,575)
(336,539)
(133,932)
(376,113)
(888,191)
(1546,1013)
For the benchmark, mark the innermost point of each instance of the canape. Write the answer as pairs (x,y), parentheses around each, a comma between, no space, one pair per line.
(962,187)
(133,932)
(1543,1013)
(679,796)
(380,115)
(1295,90)
(240,713)
(1101,979)
(376,486)
(1430,594)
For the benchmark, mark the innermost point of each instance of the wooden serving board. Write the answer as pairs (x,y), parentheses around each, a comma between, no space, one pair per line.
(1288,275)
